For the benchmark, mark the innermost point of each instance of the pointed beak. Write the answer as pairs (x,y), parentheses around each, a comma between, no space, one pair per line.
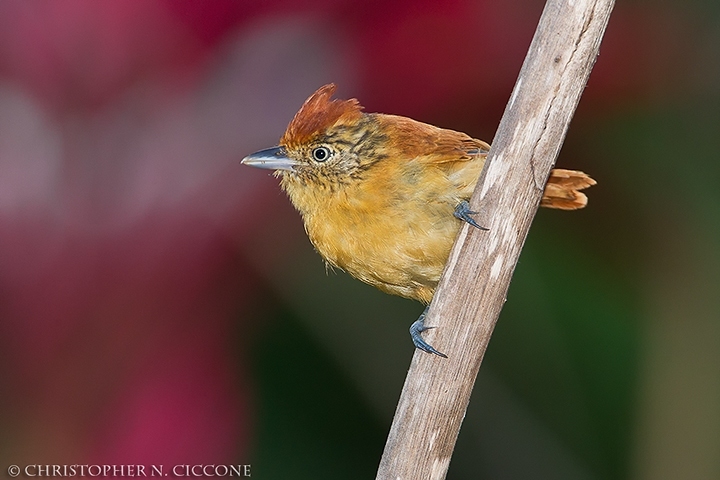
(271,158)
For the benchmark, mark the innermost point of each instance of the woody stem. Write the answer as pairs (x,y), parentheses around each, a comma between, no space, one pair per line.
(472,290)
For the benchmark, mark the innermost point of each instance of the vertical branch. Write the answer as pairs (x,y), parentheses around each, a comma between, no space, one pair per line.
(472,290)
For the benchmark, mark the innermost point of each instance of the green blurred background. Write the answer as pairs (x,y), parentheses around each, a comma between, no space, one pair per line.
(160,303)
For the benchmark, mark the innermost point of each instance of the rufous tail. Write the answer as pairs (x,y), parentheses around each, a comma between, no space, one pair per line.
(563,189)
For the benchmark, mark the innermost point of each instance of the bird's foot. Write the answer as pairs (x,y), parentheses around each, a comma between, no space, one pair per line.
(463,212)
(416,329)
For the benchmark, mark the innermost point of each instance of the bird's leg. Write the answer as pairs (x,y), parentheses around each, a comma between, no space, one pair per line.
(416,329)
(463,212)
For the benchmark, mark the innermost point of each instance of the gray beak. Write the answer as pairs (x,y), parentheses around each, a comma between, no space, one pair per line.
(271,158)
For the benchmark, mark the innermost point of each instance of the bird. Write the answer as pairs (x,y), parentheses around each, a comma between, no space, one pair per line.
(383,197)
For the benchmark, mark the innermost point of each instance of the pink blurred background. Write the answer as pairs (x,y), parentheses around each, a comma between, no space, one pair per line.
(140,264)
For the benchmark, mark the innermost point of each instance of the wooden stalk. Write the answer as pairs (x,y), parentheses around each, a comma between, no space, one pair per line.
(472,290)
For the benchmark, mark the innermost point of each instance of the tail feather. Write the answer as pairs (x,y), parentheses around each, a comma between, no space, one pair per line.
(563,189)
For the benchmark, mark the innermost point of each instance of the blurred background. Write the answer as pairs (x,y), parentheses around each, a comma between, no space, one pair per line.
(160,303)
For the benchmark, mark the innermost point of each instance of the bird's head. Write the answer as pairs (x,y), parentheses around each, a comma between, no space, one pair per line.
(327,144)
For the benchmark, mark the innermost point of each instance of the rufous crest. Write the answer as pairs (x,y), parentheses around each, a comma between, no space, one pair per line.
(317,114)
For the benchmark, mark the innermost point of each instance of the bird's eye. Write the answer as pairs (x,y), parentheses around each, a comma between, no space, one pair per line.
(320,154)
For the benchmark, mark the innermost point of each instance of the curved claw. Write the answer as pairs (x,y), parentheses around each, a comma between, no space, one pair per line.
(416,329)
(463,212)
